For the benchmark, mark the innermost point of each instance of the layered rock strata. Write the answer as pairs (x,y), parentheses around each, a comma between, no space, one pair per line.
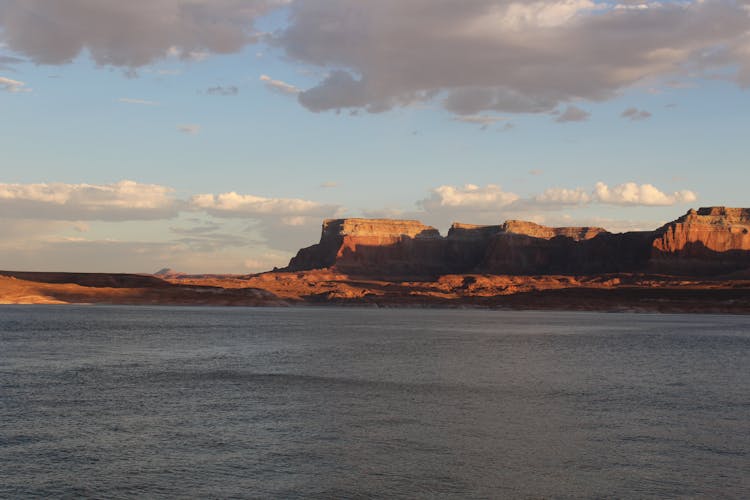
(709,240)
(705,241)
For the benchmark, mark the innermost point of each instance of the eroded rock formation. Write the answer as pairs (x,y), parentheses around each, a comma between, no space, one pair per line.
(709,240)
(372,246)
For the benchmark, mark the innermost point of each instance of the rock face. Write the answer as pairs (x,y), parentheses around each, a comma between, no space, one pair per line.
(544,232)
(706,241)
(374,246)
(710,240)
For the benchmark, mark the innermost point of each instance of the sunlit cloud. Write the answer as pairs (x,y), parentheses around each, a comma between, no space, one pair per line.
(124,200)
(279,86)
(13,86)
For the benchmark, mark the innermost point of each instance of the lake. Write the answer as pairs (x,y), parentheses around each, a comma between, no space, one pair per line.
(163,402)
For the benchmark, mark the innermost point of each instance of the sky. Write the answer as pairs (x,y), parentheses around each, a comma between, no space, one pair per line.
(215,136)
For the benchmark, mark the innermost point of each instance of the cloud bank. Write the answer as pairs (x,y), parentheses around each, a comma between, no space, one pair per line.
(473,57)
(506,56)
(245,205)
(491,198)
(124,200)
(128,34)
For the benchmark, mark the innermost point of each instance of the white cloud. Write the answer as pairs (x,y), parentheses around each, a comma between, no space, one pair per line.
(631,193)
(124,200)
(469,197)
(14,86)
(143,102)
(244,205)
(563,196)
(189,128)
(279,86)
(491,205)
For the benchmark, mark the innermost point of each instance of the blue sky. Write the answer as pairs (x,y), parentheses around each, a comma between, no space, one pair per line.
(308,110)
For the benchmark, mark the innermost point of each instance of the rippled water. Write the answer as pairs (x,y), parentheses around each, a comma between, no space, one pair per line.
(123,402)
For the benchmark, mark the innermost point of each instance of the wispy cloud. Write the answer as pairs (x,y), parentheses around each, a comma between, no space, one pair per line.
(573,114)
(635,114)
(6,62)
(13,86)
(189,128)
(223,91)
(279,86)
(484,121)
(128,100)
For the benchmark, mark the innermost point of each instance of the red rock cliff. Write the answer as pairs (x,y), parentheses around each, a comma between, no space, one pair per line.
(374,246)
(710,240)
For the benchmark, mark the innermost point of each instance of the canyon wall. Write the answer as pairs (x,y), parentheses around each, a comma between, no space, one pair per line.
(707,241)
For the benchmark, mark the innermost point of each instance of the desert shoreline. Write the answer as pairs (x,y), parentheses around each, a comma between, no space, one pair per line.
(635,294)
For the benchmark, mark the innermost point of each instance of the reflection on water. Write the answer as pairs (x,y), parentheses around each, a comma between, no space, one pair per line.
(122,402)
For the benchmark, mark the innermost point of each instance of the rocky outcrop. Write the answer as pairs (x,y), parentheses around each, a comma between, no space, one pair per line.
(705,241)
(374,246)
(709,240)
(537,231)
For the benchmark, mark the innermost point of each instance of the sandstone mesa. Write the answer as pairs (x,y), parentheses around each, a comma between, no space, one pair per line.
(697,263)
(708,241)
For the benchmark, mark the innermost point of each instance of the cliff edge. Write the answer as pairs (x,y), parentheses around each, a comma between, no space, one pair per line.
(705,241)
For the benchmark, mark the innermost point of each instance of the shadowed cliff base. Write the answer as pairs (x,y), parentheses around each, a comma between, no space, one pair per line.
(698,263)
(704,242)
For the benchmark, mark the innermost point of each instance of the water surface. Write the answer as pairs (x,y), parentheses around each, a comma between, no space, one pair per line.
(123,402)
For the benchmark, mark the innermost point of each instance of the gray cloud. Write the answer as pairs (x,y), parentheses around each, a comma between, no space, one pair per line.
(129,34)
(230,90)
(504,55)
(189,128)
(478,56)
(6,62)
(573,114)
(635,114)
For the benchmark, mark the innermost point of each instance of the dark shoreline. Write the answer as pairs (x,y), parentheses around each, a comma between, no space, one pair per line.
(297,290)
